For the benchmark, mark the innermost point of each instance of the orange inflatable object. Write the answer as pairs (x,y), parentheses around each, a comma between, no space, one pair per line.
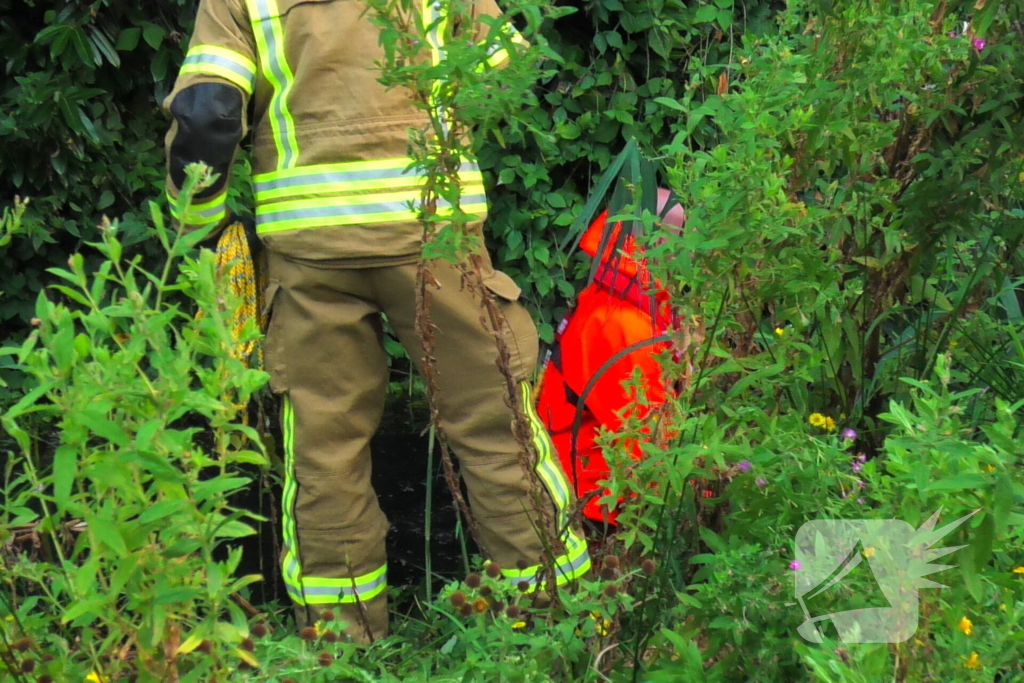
(618,309)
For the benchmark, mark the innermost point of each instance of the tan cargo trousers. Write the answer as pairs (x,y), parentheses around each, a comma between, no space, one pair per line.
(324,353)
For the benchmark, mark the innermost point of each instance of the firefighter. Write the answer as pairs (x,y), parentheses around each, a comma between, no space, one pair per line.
(329,160)
(582,390)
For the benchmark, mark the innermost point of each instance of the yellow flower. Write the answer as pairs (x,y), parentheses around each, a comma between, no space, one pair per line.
(966,626)
(816,419)
(952,345)
(779,332)
(93,678)
(974,662)
(988,468)
(518,625)
(869,552)
(1018,570)
(830,424)
(319,626)
(604,627)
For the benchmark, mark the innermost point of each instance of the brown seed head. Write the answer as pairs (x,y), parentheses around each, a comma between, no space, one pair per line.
(466,610)
(46,658)
(523,586)
(330,637)
(308,634)
(28,666)
(247,645)
(493,570)
(288,680)
(244,666)
(521,565)
(206,647)
(259,630)
(611,590)
(45,678)
(327,616)
(325,659)
(607,574)
(612,562)
(497,606)
(457,599)
(648,567)
(513,612)
(480,605)
(486,591)
(21,645)
(473,580)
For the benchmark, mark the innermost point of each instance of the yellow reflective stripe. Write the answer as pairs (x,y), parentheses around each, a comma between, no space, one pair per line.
(435,23)
(500,55)
(576,562)
(291,567)
(200,214)
(351,177)
(321,591)
(269,33)
(218,61)
(353,210)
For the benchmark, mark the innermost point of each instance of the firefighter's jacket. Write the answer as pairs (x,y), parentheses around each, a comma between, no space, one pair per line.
(330,144)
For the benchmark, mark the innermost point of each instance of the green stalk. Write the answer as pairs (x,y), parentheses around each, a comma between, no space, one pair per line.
(428,509)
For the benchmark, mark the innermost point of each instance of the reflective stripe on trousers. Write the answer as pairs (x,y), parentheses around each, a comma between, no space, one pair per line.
(575,562)
(313,590)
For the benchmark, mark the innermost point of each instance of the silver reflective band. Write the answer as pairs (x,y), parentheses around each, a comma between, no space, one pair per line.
(353,210)
(332,177)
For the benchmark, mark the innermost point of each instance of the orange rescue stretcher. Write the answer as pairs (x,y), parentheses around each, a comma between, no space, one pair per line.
(620,308)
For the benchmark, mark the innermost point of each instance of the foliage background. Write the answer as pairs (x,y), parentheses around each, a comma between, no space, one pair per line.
(853,179)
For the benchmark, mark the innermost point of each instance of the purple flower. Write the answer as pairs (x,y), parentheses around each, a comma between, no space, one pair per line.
(745,466)
(761,482)
(978,43)
(795,565)
(952,34)
(860,501)
(861,457)
(849,434)
(843,495)
(856,466)
(861,484)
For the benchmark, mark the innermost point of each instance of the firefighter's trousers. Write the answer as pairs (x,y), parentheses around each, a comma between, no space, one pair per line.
(324,354)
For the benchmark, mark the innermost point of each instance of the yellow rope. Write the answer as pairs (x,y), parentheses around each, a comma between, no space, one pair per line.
(247,280)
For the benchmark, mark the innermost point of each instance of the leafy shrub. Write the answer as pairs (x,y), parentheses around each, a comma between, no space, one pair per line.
(129,443)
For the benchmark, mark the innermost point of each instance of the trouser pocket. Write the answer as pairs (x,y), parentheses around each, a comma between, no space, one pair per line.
(519,330)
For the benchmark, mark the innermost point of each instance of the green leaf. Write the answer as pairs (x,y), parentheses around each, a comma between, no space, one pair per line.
(105,532)
(65,467)
(706,14)
(670,103)
(176,596)
(960,482)
(129,39)
(153,35)
(98,424)
(105,200)
(160,510)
